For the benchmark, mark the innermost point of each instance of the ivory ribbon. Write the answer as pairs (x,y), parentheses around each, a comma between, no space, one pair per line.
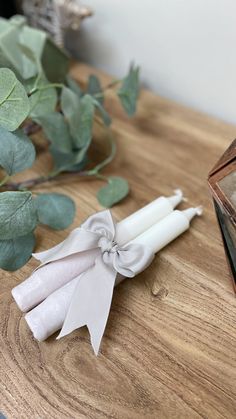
(91,301)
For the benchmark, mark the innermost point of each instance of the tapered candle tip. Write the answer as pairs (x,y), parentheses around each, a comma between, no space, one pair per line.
(176,198)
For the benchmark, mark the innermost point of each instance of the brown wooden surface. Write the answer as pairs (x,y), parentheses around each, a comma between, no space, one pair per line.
(169,349)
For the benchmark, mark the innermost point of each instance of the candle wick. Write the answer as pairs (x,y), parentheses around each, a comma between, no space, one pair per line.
(199,210)
(179,193)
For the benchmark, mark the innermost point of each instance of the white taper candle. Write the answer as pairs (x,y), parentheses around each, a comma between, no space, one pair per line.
(47,279)
(48,317)
(168,229)
(141,220)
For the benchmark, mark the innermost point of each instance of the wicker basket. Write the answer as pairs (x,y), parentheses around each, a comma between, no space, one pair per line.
(54,16)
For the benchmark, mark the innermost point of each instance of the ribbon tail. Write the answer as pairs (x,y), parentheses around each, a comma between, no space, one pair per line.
(91,302)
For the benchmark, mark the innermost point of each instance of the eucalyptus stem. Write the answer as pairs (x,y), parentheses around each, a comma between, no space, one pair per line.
(31,183)
(111,155)
(56,175)
(19,186)
(31,128)
(50,85)
(102,177)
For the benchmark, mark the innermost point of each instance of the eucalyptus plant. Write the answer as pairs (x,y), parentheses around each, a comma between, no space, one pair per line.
(36,92)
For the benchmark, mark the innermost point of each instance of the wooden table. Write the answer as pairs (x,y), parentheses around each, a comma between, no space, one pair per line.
(169,349)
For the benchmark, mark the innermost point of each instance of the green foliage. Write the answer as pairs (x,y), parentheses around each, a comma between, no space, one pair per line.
(71,83)
(14,102)
(116,189)
(31,43)
(78,166)
(14,253)
(67,161)
(17,151)
(44,100)
(85,117)
(70,105)
(56,131)
(10,54)
(55,62)
(33,71)
(104,114)
(94,88)
(18,215)
(16,37)
(128,93)
(55,210)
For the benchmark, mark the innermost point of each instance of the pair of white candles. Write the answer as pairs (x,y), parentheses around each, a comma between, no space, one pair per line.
(48,294)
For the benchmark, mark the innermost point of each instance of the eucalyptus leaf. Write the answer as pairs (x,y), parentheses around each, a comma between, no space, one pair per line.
(55,210)
(16,38)
(77,167)
(6,63)
(17,151)
(18,20)
(32,42)
(18,214)
(71,83)
(56,131)
(44,100)
(4,25)
(116,189)
(71,108)
(29,60)
(22,47)
(67,161)
(128,93)
(10,53)
(55,62)
(84,134)
(14,253)
(14,102)
(28,52)
(34,39)
(95,88)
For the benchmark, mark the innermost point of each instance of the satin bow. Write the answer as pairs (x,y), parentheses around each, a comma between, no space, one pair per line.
(90,304)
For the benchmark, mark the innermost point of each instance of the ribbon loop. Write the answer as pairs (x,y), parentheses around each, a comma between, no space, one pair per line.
(101,224)
(132,259)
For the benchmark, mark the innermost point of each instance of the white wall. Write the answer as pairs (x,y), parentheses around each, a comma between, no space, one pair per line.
(186,48)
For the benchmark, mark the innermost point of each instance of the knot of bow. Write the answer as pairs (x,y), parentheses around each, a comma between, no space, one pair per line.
(127,260)
(91,301)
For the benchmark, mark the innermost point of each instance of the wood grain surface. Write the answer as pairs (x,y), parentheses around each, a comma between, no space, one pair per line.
(169,349)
